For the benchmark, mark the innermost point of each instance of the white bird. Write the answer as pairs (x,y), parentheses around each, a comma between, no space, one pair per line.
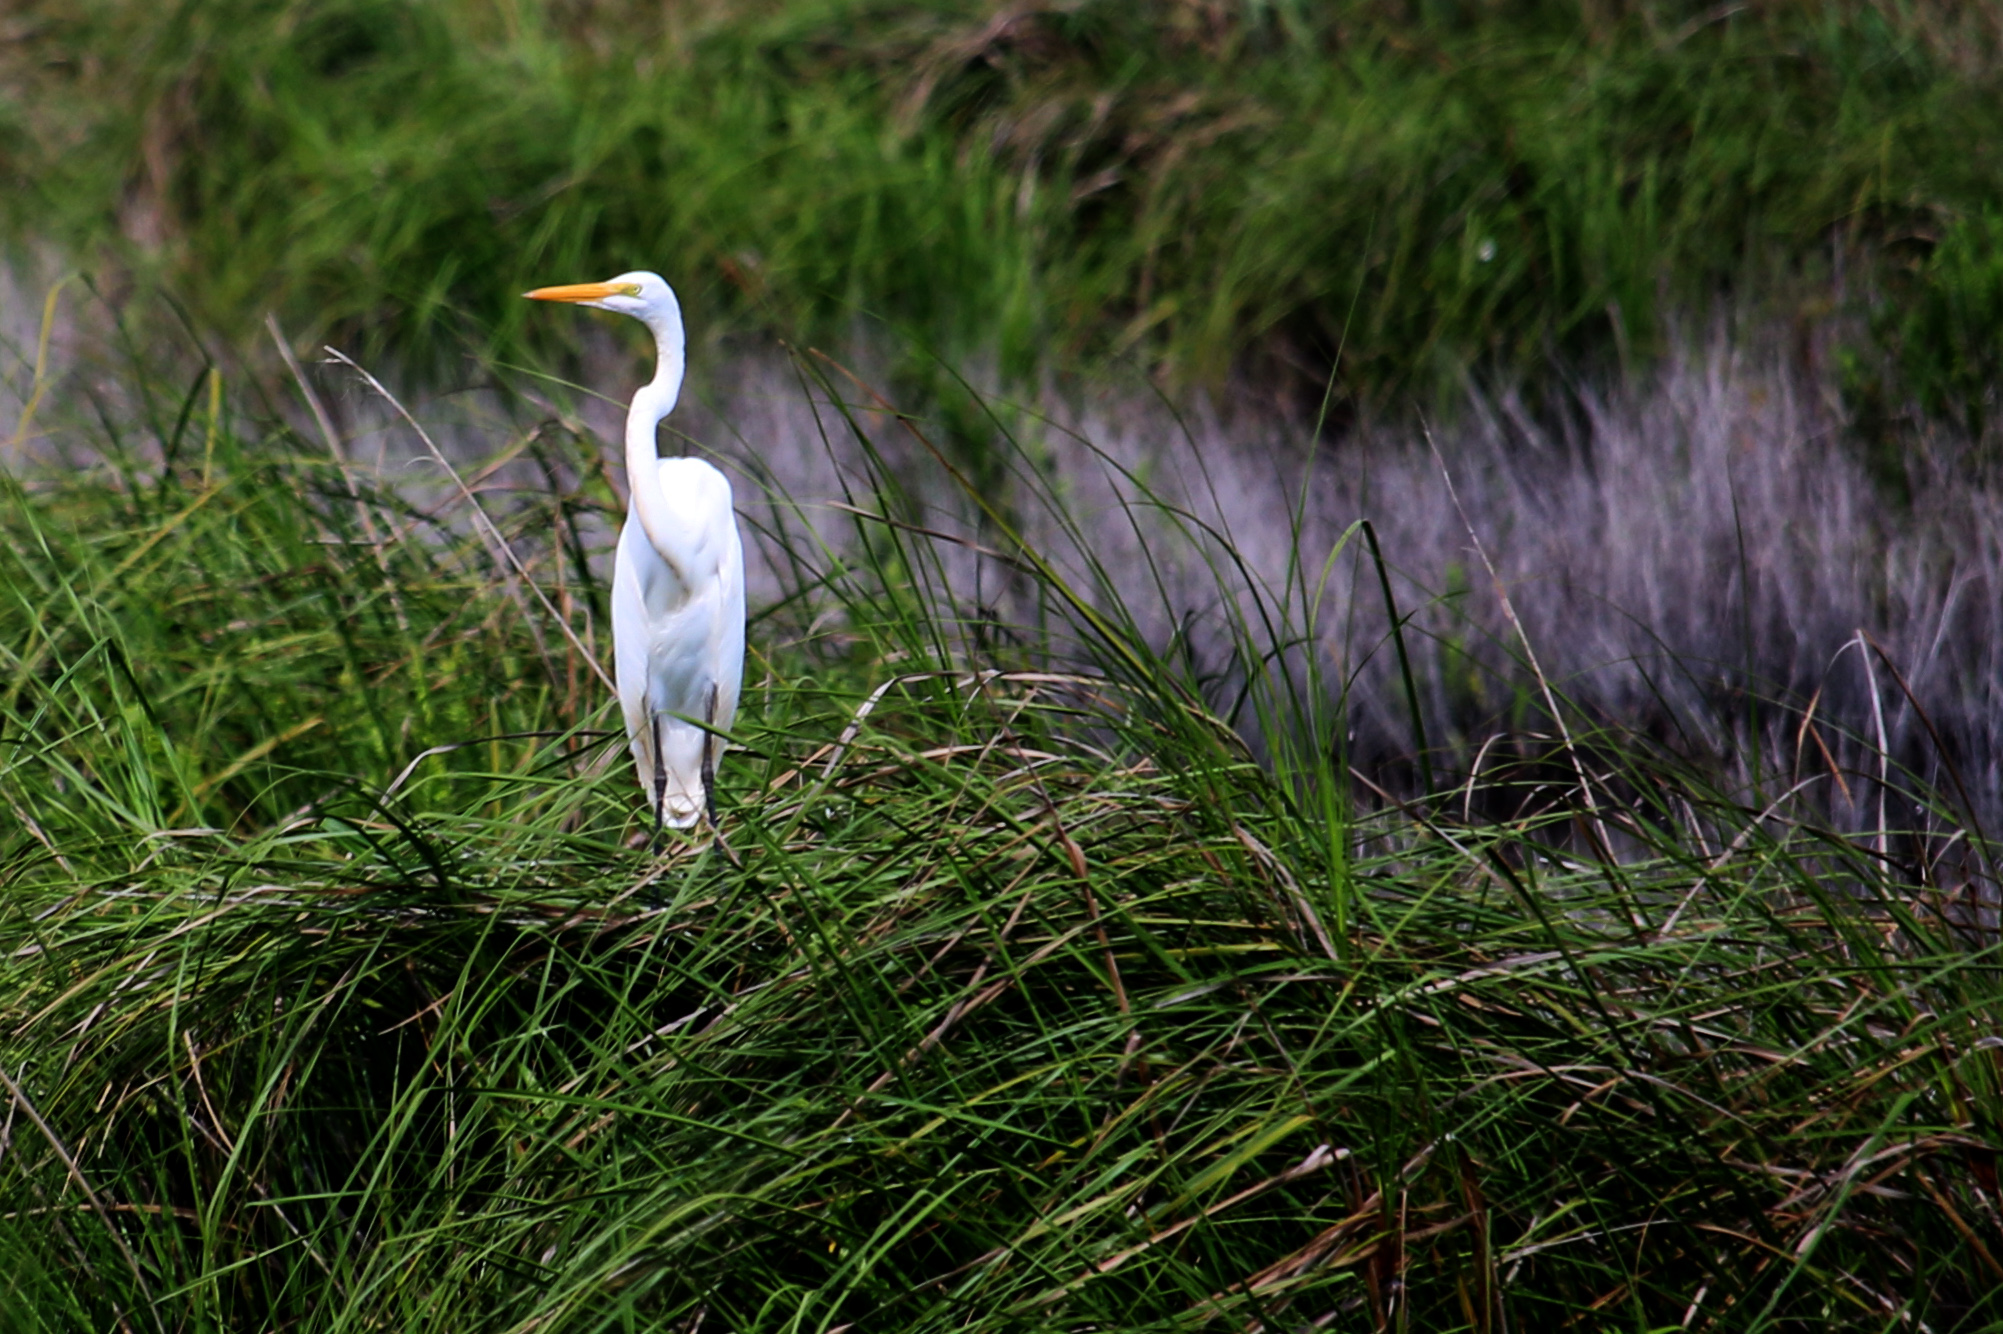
(678,579)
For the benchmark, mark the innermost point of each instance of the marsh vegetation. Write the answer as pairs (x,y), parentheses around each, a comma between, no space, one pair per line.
(1373,698)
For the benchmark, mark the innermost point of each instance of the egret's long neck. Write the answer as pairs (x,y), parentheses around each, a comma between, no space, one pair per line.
(655,400)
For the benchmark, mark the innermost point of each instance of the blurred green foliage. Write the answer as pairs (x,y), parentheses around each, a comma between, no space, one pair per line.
(1402,191)
(1944,330)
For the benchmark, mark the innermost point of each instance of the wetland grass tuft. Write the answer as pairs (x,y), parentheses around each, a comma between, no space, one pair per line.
(1017,997)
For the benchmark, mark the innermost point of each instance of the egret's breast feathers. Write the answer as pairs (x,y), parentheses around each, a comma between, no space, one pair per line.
(702,530)
(699,496)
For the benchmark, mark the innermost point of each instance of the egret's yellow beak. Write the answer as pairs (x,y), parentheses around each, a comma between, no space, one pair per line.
(583,292)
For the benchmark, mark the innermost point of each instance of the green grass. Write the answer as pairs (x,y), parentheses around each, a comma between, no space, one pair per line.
(1394,192)
(1017,996)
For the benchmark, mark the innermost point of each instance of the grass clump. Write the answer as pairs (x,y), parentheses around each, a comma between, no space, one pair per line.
(1015,995)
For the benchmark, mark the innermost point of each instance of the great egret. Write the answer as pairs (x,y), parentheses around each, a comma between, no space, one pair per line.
(678,578)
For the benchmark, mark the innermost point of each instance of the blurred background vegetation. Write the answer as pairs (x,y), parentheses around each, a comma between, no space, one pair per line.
(1392,192)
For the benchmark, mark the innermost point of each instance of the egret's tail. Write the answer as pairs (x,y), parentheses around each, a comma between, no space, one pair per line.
(679,811)
(677,767)
(680,808)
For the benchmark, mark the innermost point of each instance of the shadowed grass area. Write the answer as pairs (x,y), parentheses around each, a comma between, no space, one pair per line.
(1016,995)
(1395,191)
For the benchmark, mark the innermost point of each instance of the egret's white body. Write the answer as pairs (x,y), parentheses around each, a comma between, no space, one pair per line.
(677,580)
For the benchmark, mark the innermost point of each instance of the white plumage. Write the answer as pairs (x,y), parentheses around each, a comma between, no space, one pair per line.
(677,579)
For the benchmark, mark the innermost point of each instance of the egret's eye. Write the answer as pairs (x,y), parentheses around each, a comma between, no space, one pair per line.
(628,289)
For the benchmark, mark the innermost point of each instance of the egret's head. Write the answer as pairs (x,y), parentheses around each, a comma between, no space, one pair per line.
(644,296)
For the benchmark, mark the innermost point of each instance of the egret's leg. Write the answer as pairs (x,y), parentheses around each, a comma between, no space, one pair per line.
(709,758)
(660,779)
